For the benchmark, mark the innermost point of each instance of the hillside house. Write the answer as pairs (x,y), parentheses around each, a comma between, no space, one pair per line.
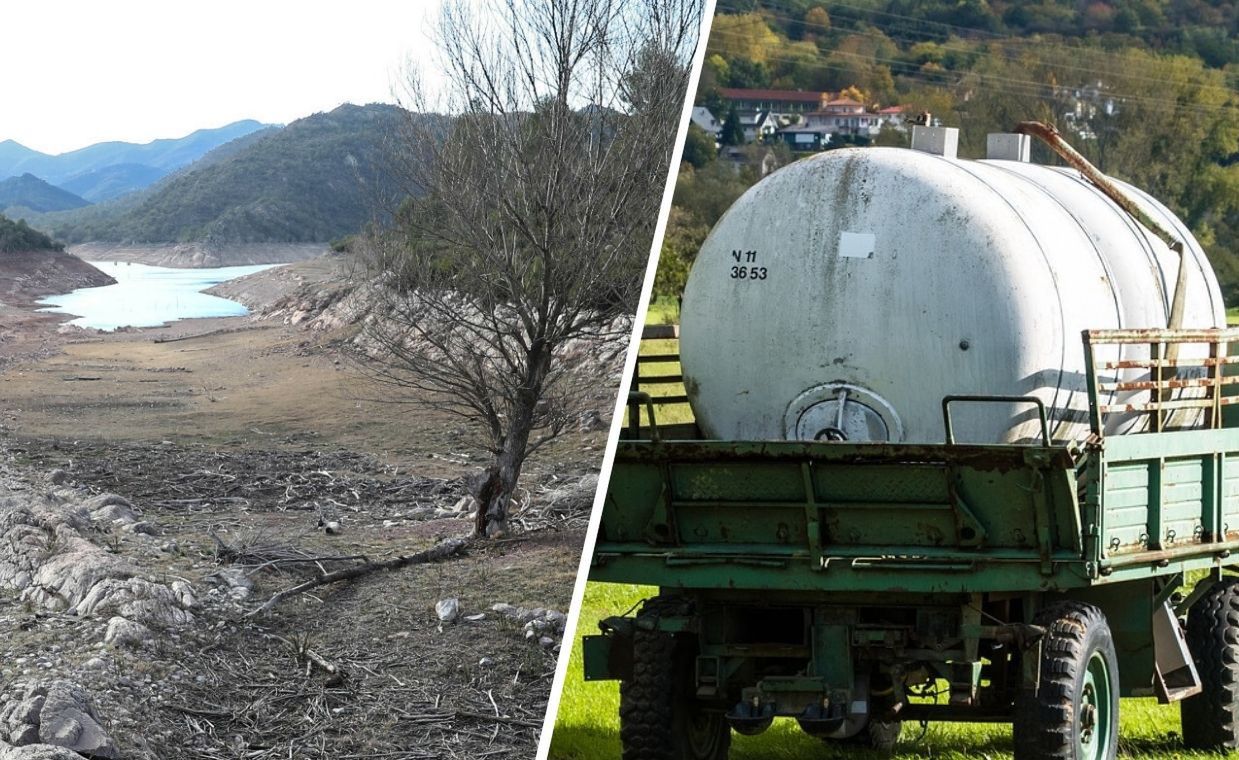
(893,117)
(759,126)
(1085,106)
(801,138)
(702,117)
(761,159)
(845,116)
(776,101)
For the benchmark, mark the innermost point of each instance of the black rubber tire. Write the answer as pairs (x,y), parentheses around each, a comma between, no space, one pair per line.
(882,736)
(1048,723)
(879,736)
(1211,718)
(659,717)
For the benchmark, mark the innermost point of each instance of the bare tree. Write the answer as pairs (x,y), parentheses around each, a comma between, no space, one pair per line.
(533,212)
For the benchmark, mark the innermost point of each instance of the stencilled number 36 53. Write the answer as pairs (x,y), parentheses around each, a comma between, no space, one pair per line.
(748,273)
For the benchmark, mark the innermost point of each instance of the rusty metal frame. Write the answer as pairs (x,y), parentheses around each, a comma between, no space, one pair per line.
(1164,388)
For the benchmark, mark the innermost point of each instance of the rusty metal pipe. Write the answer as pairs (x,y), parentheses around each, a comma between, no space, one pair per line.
(1054,139)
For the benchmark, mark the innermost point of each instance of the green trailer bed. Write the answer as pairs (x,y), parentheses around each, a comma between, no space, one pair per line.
(854,586)
(839,516)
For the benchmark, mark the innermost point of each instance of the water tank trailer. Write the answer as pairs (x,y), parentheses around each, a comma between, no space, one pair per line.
(959,455)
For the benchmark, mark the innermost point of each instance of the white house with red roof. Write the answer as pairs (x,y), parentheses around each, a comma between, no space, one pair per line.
(805,120)
(893,117)
(844,116)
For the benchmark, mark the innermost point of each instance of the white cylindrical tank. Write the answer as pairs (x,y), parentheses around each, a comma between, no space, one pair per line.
(851,291)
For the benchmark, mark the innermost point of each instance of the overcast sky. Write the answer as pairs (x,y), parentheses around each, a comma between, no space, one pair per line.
(77,72)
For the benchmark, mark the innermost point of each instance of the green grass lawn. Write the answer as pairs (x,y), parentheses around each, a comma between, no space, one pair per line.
(663,311)
(587,727)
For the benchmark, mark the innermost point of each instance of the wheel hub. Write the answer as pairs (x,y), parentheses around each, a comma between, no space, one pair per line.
(1088,721)
(1095,709)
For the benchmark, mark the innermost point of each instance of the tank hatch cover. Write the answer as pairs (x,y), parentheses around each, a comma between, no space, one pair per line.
(841,412)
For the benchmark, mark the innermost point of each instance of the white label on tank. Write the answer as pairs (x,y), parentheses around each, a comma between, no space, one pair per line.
(857,245)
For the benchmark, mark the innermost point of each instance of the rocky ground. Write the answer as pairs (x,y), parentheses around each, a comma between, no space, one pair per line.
(154,496)
(26,277)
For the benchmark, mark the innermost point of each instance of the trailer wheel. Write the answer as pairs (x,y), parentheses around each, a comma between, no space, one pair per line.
(659,717)
(1211,718)
(1073,715)
(878,735)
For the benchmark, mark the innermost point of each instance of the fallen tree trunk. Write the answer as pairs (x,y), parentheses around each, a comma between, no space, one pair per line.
(445,549)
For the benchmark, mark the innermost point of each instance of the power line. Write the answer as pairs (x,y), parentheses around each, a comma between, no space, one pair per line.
(1201,108)
(888,33)
(860,9)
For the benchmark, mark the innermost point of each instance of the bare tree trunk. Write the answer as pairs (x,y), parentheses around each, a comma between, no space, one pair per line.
(498,484)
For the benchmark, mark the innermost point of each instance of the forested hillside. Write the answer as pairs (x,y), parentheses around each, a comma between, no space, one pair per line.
(311,181)
(1145,89)
(18,237)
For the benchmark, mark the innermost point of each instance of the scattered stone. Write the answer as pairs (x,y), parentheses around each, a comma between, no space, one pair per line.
(110,508)
(126,633)
(36,752)
(26,733)
(539,623)
(142,527)
(234,579)
(63,716)
(448,609)
(591,421)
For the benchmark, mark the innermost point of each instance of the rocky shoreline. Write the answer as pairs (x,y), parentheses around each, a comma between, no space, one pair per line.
(198,255)
(27,277)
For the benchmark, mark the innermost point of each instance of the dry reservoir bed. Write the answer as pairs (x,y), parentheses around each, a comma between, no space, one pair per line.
(198,497)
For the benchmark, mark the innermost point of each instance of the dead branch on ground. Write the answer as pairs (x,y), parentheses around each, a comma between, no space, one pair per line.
(443,550)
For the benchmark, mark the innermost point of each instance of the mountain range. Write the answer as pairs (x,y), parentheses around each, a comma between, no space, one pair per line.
(109,169)
(21,195)
(312,181)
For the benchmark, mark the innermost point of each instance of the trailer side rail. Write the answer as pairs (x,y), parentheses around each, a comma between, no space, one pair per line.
(1173,381)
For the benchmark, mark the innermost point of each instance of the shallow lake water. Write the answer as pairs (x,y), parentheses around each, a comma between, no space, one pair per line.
(147,296)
